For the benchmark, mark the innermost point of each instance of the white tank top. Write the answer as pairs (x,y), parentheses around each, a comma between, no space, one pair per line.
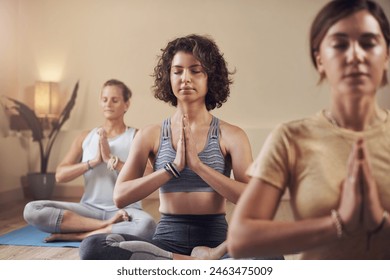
(99,182)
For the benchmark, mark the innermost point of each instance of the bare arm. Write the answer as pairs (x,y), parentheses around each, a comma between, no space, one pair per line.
(131,185)
(70,167)
(253,233)
(235,144)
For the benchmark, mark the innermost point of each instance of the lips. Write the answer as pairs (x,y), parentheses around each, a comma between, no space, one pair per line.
(186,88)
(356,75)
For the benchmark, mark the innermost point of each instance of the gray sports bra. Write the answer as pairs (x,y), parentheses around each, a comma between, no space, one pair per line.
(190,181)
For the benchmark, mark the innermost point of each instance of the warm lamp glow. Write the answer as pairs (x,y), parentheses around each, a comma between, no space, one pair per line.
(46,99)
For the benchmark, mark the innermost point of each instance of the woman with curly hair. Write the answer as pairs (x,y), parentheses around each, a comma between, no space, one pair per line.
(193,154)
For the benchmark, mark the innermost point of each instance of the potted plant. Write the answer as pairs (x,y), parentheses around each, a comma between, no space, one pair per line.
(41,184)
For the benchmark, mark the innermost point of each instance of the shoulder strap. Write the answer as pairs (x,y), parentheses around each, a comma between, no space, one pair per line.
(132,131)
(166,129)
(214,128)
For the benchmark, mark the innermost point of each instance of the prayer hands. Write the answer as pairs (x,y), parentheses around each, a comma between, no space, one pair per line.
(360,207)
(186,153)
(104,148)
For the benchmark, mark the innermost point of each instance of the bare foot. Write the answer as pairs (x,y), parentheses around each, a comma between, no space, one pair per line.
(207,253)
(51,238)
(64,237)
(120,216)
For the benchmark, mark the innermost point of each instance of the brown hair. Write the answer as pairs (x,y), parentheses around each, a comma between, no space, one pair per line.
(206,51)
(125,90)
(337,10)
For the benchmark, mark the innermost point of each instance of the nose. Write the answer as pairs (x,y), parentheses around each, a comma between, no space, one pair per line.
(108,102)
(355,53)
(185,76)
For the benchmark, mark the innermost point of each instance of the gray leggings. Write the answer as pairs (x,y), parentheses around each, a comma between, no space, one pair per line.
(47,216)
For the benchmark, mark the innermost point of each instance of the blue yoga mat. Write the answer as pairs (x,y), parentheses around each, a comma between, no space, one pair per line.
(30,236)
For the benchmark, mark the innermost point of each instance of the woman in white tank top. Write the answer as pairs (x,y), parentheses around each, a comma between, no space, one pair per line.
(98,155)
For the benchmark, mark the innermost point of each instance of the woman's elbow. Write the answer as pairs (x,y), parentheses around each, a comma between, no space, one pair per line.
(59,177)
(118,200)
(236,243)
(63,174)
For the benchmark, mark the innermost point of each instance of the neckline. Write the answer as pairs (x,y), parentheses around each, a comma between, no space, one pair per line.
(119,135)
(207,143)
(330,118)
(352,133)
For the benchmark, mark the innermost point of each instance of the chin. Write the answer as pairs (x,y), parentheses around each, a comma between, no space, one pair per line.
(358,89)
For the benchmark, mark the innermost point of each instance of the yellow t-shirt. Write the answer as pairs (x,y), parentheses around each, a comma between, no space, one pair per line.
(309,157)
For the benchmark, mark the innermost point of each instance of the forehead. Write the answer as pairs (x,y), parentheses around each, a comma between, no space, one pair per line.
(111,91)
(184,59)
(361,22)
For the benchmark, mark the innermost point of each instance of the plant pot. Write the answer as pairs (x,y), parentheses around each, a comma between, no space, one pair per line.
(41,185)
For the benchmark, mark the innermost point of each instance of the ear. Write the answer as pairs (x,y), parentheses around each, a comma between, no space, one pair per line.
(385,68)
(319,64)
(387,60)
(127,106)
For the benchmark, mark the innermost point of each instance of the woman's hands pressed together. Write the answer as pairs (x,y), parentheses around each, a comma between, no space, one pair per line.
(360,208)
(186,153)
(104,148)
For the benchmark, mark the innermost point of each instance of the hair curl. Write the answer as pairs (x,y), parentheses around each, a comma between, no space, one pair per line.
(205,50)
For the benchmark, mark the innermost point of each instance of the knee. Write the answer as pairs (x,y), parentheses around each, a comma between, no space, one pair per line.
(114,239)
(148,228)
(103,247)
(42,216)
(29,212)
(92,247)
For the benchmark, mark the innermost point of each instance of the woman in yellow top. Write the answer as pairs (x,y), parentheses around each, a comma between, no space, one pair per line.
(334,164)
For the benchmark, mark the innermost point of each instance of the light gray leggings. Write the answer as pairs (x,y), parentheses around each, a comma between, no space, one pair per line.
(47,216)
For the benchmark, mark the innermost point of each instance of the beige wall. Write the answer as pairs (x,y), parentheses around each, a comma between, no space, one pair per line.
(11,148)
(94,40)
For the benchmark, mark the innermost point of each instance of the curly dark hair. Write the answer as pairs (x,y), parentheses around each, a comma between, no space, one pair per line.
(125,89)
(205,50)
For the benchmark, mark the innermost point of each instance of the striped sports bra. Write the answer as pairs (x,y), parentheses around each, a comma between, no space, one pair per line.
(211,156)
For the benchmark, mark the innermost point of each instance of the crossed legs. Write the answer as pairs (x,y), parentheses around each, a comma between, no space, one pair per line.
(75,221)
(75,227)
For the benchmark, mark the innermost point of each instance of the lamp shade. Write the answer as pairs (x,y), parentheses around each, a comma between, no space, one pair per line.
(46,99)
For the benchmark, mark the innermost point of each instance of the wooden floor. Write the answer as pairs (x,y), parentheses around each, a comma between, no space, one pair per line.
(11,218)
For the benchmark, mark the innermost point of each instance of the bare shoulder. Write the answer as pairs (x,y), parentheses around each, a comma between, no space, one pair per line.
(234,140)
(148,136)
(81,137)
(84,133)
(231,131)
(149,131)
